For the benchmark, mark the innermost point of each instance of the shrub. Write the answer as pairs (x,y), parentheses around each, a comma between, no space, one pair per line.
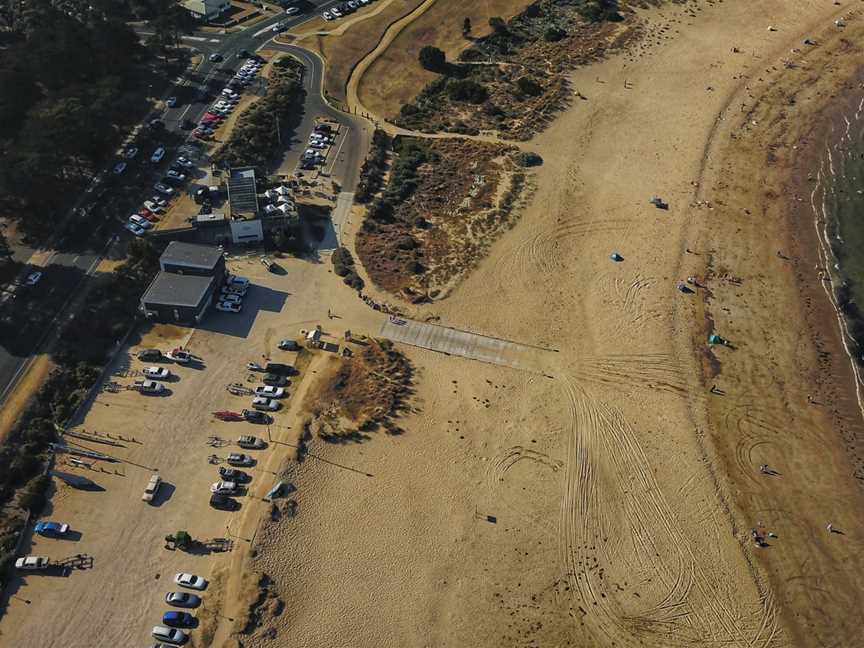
(600,10)
(432,59)
(467,90)
(553,35)
(354,281)
(529,87)
(409,109)
(34,497)
(529,159)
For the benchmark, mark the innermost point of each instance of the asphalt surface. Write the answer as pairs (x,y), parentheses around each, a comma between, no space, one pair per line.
(195,91)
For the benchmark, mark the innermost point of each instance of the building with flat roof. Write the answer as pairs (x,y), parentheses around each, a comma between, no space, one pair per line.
(206,9)
(177,298)
(192,259)
(185,286)
(242,192)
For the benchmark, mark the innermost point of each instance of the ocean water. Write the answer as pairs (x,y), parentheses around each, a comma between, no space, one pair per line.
(837,200)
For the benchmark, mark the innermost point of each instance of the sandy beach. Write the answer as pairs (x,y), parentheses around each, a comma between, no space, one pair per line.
(605,494)
(618,481)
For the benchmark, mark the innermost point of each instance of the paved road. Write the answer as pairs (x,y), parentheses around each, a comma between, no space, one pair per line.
(194,98)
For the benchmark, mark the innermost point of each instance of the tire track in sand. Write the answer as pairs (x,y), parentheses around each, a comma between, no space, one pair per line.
(626,558)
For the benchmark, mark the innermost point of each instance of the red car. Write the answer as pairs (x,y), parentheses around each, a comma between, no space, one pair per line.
(211,117)
(146,213)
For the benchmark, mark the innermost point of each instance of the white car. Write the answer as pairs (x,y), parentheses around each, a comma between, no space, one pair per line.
(160,373)
(157,156)
(137,231)
(179,356)
(163,189)
(231,298)
(171,635)
(119,168)
(228,307)
(140,221)
(228,92)
(191,581)
(156,200)
(153,207)
(265,404)
(224,488)
(32,279)
(327,15)
(182,161)
(292,11)
(237,280)
(335,13)
(269,391)
(233,290)
(152,488)
(32,563)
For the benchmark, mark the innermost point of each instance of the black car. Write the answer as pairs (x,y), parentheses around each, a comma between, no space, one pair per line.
(234,475)
(172,182)
(254,416)
(274,380)
(156,124)
(279,368)
(150,354)
(223,502)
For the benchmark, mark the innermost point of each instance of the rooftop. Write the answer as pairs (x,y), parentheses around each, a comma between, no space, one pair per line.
(191,255)
(241,191)
(171,289)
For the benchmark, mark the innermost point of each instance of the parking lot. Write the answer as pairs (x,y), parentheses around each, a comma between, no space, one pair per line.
(115,592)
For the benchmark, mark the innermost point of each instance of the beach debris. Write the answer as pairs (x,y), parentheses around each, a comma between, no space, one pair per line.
(616,257)
(772,28)
(684,288)
(658,203)
(807,41)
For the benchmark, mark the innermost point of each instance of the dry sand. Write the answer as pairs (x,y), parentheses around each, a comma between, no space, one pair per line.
(622,491)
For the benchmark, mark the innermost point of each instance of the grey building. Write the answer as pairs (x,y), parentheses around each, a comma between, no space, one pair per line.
(185,287)
(192,259)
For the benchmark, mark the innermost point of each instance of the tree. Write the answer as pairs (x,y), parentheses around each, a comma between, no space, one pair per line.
(529,86)
(498,25)
(433,59)
(467,90)
(600,10)
(466,27)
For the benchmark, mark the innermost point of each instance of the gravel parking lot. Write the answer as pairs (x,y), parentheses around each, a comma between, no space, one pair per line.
(118,599)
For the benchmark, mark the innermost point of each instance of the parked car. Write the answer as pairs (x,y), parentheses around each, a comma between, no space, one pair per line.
(279,27)
(292,11)
(191,581)
(179,356)
(255,416)
(143,223)
(171,635)
(234,475)
(233,290)
(187,124)
(182,161)
(32,563)
(243,54)
(130,152)
(163,189)
(215,57)
(280,368)
(269,391)
(229,307)
(236,280)
(149,354)
(237,459)
(137,231)
(149,387)
(171,102)
(289,345)
(231,298)
(150,216)
(32,279)
(183,599)
(223,502)
(274,380)
(249,442)
(176,175)
(265,404)
(153,207)
(157,156)
(159,373)
(224,488)
(254,366)
(156,200)
(51,529)
(152,488)
(327,15)
(119,168)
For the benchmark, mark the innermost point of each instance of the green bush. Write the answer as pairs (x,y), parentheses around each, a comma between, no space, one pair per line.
(467,90)
(34,497)
(529,87)
(553,35)
(432,59)
(529,159)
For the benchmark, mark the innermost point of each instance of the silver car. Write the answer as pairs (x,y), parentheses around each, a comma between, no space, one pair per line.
(183,599)
(171,635)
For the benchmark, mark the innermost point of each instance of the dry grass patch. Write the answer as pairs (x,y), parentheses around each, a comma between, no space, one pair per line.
(341,48)
(396,77)
(445,202)
(362,393)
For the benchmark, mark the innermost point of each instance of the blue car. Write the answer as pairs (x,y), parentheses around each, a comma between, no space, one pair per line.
(51,529)
(178,619)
